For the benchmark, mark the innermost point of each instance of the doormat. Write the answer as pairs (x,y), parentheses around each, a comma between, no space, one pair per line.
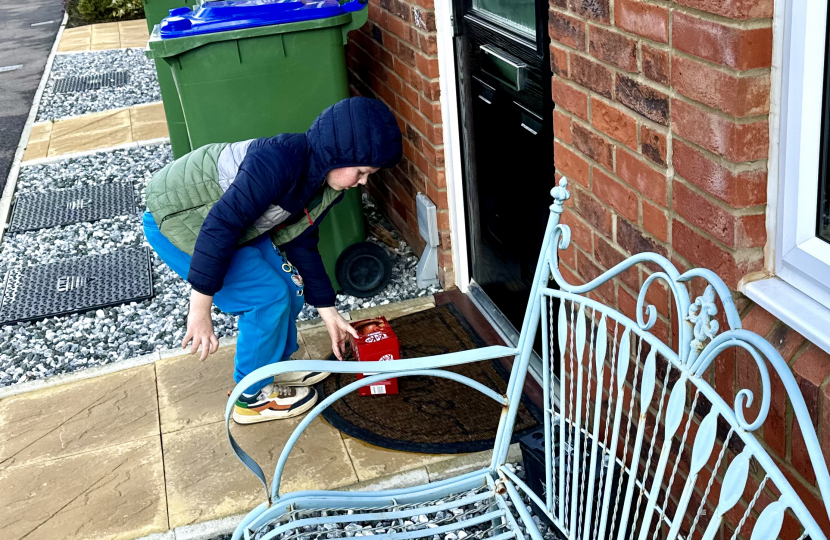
(85,283)
(85,83)
(33,211)
(429,414)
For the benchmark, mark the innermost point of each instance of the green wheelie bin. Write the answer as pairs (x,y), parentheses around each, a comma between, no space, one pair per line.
(154,12)
(257,68)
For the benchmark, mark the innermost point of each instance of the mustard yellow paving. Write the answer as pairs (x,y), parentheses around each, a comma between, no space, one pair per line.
(133,33)
(371,462)
(148,122)
(90,131)
(75,39)
(38,145)
(110,494)
(95,131)
(205,480)
(99,37)
(76,418)
(105,36)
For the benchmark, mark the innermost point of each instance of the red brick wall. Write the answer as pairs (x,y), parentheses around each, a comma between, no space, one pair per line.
(661,124)
(394,58)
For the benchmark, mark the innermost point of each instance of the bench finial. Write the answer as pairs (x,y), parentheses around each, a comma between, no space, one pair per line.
(560,194)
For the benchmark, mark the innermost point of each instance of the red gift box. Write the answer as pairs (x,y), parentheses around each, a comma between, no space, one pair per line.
(377,343)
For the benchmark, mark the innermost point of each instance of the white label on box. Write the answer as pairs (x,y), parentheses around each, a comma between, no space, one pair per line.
(378,389)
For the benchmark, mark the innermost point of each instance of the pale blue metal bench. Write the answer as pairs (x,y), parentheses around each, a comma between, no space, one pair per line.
(591,500)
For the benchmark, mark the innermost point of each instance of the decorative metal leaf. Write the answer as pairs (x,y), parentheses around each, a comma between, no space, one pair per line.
(769,522)
(602,344)
(705,441)
(623,357)
(647,384)
(580,333)
(563,328)
(734,482)
(677,403)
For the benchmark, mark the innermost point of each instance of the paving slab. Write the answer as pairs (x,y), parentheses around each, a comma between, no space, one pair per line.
(96,131)
(205,480)
(371,462)
(133,33)
(38,145)
(115,493)
(396,309)
(75,39)
(105,36)
(317,343)
(74,418)
(148,122)
(194,393)
(102,36)
(89,132)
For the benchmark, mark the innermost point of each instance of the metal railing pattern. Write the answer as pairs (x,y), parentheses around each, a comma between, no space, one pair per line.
(639,446)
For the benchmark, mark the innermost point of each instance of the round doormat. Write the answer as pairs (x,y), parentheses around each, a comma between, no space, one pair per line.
(429,414)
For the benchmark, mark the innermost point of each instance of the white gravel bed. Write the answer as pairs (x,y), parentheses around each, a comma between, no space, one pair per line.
(142,86)
(135,165)
(56,345)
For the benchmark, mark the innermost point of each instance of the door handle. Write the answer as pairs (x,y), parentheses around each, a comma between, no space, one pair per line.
(504,66)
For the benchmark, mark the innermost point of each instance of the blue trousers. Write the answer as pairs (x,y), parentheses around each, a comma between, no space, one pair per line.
(259,288)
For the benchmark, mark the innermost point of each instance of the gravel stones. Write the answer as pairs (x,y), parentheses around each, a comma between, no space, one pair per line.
(142,86)
(427,518)
(34,350)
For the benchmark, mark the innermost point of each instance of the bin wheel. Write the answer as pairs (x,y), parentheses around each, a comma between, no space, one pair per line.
(363,269)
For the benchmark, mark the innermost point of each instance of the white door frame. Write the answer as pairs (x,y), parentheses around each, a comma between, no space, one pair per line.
(452,143)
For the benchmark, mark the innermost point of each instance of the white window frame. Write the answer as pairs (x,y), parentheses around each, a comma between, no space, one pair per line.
(797,286)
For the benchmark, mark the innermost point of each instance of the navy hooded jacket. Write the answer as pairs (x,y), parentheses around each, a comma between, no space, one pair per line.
(288,170)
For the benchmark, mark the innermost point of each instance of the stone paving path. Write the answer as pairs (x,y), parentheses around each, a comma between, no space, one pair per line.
(144,450)
(96,131)
(98,37)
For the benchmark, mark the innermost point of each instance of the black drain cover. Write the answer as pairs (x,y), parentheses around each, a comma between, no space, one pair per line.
(83,83)
(34,211)
(81,284)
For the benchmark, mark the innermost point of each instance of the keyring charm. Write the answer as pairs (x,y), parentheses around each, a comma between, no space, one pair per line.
(287,268)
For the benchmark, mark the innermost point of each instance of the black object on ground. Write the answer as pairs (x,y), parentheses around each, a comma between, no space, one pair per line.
(48,209)
(363,269)
(533,458)
(85,283)
(85,83)
(429,414)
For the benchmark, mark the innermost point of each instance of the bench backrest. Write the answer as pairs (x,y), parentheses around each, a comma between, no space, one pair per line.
(639,445)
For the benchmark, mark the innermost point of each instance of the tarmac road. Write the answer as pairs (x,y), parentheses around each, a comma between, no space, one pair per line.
(24,49)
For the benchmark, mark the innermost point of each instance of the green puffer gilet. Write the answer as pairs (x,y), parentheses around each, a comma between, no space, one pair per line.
(180,195)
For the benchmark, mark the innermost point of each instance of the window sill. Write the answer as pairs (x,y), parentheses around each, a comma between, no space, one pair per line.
(797,310)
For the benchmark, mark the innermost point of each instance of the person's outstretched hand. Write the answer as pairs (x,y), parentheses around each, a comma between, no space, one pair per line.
(200,326)
(339,329)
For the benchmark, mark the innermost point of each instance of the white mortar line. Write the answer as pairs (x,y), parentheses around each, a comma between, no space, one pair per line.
(124,146)
(14,172)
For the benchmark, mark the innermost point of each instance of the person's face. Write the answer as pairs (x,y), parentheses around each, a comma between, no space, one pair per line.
(349,177)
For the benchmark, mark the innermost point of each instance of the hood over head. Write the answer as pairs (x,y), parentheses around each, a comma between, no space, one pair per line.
(354,132)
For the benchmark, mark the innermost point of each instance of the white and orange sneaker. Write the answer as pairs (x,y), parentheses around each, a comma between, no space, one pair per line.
(274,402)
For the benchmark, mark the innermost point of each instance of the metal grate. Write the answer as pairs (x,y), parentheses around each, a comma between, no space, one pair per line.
(81,284)
(84,83)
(34,211)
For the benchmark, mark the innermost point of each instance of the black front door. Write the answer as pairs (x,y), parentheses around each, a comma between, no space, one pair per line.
(507,129)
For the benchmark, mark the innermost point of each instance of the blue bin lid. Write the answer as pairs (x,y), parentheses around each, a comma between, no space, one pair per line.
(227,15)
